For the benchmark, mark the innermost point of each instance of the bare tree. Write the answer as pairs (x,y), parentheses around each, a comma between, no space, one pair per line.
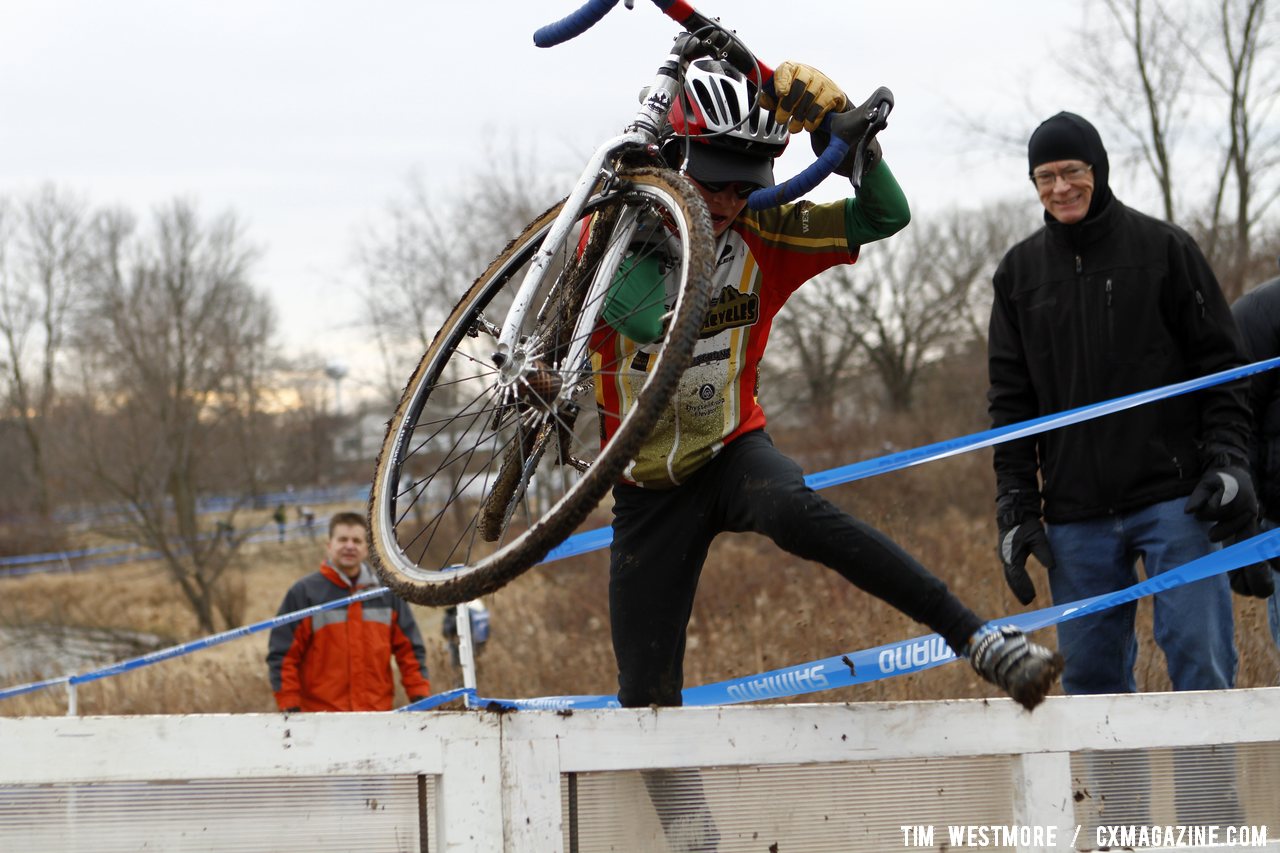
(424,253)
(907,301)
(1143,85)
(42,272)
(415,267)
(174,347)
(1244,75)
(1166,70)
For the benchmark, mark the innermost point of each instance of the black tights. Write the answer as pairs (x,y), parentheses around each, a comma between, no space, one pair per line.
(661,538)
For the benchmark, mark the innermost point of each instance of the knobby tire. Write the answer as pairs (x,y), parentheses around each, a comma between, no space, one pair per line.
(412,575)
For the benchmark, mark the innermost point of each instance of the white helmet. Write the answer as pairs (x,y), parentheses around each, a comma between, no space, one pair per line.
(718,116)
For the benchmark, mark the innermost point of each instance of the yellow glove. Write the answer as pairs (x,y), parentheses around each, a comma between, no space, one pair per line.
(804,96)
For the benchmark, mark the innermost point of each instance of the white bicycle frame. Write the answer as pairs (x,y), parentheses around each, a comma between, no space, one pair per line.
(509,356)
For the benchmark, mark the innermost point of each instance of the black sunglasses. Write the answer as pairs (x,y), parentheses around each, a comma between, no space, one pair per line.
(743,189)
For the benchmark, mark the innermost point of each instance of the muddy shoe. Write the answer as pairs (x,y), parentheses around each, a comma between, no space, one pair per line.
(1004,656)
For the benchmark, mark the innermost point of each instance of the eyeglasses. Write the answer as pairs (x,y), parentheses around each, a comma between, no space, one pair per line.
(1071,174)
(740,188)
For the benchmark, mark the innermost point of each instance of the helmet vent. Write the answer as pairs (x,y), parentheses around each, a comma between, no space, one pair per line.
(711,109)
(728,97)
(719,105)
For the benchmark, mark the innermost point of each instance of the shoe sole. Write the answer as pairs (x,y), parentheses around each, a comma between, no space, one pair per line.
(1033,693)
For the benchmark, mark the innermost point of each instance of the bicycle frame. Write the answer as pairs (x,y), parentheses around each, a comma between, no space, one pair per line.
(524,405)
(642,133)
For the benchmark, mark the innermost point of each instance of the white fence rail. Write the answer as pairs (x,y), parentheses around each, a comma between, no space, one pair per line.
(824,777)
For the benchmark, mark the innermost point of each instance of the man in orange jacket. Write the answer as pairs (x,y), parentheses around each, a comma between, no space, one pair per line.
(340,659)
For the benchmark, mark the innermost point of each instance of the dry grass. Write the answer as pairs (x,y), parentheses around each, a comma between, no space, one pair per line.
(758,608)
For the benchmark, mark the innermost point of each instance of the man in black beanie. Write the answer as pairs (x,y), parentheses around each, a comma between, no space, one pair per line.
(1100,302)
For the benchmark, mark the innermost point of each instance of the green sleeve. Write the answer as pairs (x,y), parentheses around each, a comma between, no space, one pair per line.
(634,304)
(879,210)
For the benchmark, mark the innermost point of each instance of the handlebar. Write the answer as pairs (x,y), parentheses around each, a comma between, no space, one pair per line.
(575,23)
(813,174)
(590,13)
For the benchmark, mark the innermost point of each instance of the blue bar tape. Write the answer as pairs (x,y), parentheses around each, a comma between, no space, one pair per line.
(574,24)
(814,174)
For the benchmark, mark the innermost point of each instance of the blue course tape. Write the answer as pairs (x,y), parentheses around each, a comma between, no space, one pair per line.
(195,645)
(92,558)
(466,693)
(34,686)
(592,540)
(921,653)
(806,675)
(1024,429)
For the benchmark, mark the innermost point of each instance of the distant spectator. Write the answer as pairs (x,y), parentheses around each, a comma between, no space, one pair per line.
(281,518)
(308,517)
(340,659)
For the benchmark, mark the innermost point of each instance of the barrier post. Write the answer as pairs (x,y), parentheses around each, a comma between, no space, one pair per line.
(1042,797)
(466,648)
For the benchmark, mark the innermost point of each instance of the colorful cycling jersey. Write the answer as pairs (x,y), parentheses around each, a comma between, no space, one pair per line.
(761,260)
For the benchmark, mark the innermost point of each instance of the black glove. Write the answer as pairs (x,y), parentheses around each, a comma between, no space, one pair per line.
(851,125)
(1252,581)
(1225,496)
(1016,542)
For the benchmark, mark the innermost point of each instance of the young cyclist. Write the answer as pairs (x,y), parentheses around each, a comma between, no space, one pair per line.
(709,466)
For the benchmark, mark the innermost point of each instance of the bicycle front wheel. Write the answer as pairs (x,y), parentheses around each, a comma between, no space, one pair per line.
(485,470)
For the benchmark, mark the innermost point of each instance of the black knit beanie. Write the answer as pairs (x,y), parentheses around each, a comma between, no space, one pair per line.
(1067,136)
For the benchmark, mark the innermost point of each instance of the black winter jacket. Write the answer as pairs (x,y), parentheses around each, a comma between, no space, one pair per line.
(1257,315)
(1111,306)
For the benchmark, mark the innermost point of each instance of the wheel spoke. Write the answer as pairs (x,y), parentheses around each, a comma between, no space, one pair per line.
(480,459)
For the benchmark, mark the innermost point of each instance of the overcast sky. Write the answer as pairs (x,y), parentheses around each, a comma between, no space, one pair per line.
(307,118)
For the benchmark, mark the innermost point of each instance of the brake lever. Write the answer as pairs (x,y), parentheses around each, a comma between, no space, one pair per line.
(877,119)
(880,121)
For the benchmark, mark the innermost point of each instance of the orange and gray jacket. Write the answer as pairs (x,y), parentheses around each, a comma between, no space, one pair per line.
(340,659)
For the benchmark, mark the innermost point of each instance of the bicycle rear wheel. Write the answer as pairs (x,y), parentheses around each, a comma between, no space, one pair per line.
(483,471)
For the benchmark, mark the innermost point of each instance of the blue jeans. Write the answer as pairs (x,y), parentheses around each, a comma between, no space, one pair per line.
(1193,623)
(1273,615)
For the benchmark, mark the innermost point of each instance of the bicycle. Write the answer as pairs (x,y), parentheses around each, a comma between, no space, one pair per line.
(496,451)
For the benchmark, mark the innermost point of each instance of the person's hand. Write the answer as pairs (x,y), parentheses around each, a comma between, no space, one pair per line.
(1017,541)
(803,95)
(1256,580)
(1224,496)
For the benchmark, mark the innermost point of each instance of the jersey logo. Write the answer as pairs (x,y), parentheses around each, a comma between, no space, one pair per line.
(805,206)
(726,255)
(731,309)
